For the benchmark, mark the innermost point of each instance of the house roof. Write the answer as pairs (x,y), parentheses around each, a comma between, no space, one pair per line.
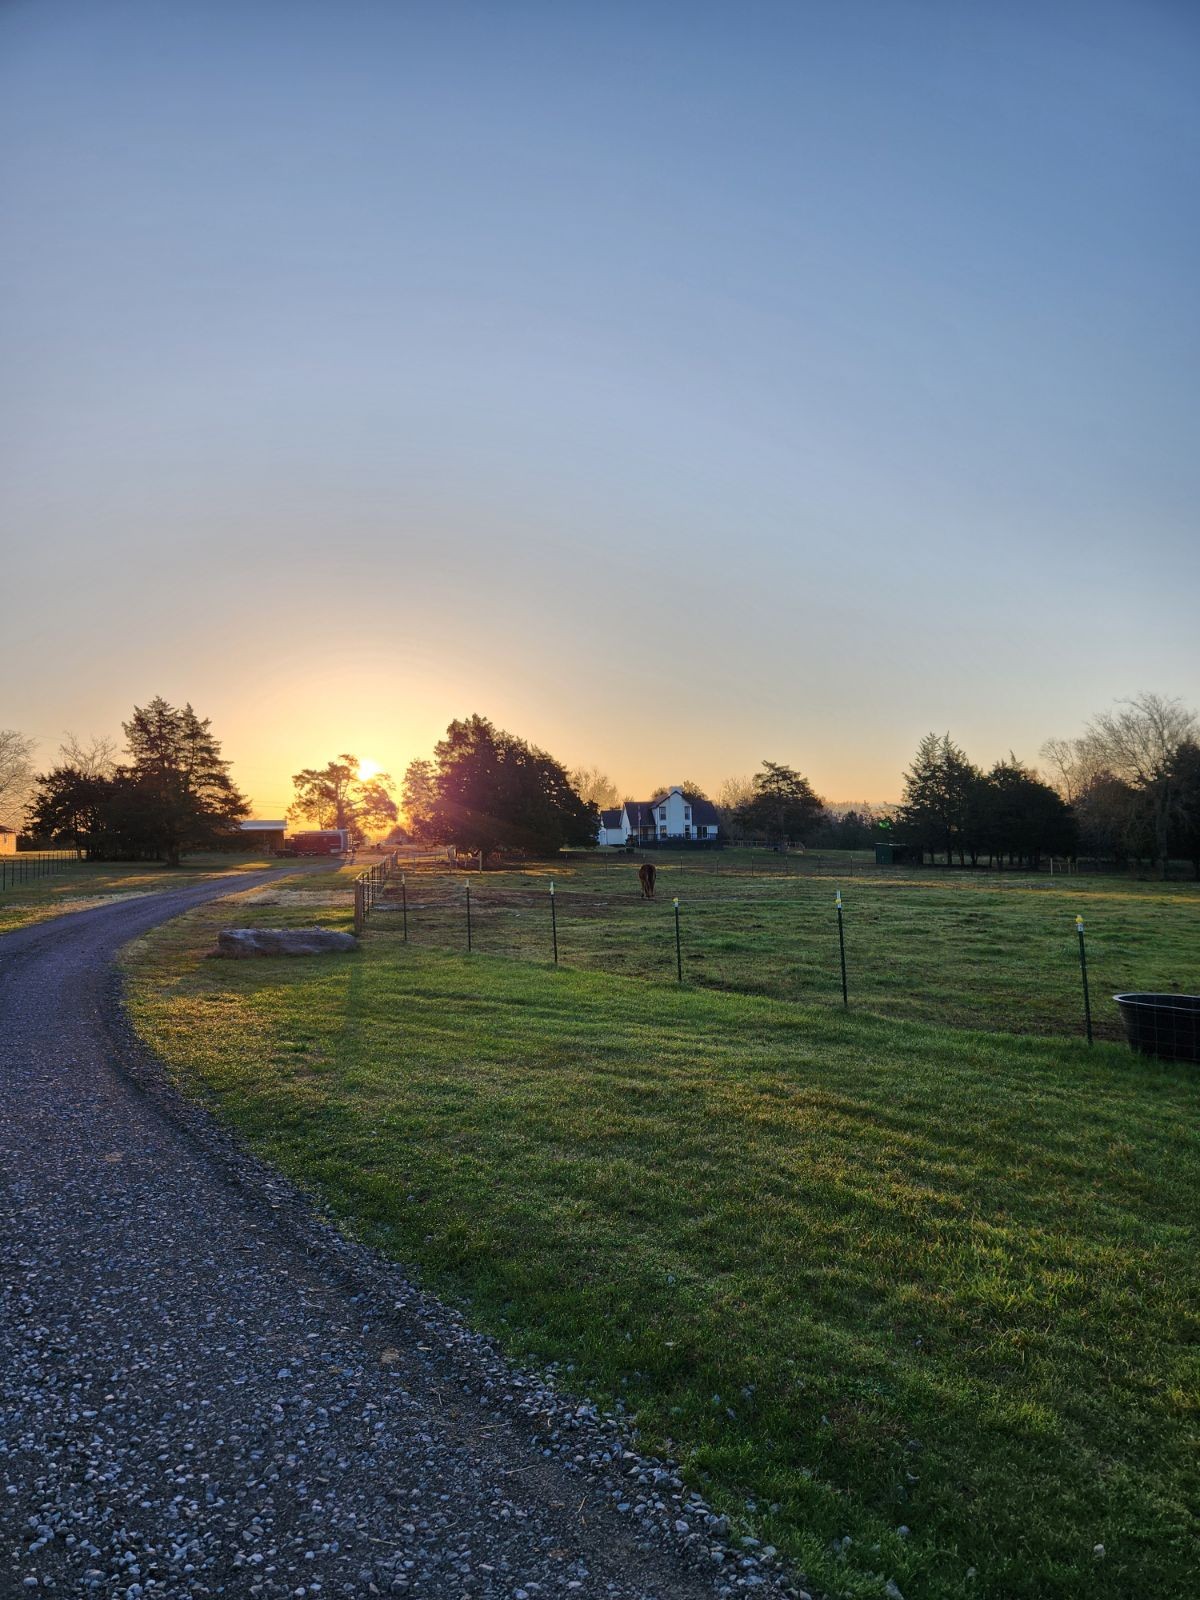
(612,818)
(635,808)
(702,810)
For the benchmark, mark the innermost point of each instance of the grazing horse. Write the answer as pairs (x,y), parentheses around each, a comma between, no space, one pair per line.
(647,873)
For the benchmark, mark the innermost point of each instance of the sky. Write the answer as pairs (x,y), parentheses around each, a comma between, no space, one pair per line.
(679,385)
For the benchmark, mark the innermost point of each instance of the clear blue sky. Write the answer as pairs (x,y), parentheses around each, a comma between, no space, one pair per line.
(680,385)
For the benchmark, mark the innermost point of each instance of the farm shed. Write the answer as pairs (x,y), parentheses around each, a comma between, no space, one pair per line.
(258,835)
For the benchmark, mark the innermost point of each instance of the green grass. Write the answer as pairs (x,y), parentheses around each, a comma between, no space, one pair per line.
(79,884)
(984,950)
(854,1274)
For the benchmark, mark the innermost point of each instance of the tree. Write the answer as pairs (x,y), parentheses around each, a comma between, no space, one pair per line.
(1071,766)
(594,786)
(940,792)
(1111,819)
(488,790)
(335,796)
(1016,814)
(95,759)
(783,806)
(1185,822)
(689,788)
(16,772)
(176,791)
(1139,743)
(852,828)
(71,806)
(732,795)
(419,797)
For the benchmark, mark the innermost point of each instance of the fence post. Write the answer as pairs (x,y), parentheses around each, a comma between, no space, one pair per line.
(553,922)
(404,904)
(1087,999)
(678,946)
(468,919)
(842,947)
(359,916)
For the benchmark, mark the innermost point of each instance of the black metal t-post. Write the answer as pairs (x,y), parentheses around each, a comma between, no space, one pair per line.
(1087,999)
(468,919)
(553,922)
(404,905)
(678,946)
(842,948)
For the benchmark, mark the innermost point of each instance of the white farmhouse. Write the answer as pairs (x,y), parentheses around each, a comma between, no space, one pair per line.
(669,816)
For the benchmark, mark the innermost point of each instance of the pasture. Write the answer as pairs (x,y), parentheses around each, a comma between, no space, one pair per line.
(913,1302)
(984,950)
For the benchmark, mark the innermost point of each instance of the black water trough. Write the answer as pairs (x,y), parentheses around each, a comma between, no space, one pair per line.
(1164,1025)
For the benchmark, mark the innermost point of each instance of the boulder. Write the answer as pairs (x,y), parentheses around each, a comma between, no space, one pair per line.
(242,943)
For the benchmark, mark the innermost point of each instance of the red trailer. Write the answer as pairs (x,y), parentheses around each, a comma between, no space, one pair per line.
(319,842)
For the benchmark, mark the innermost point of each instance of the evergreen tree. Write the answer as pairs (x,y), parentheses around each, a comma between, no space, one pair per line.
(940,805)
(177,791)
(783,807)
(1185,821)
(489,790)
(72,807)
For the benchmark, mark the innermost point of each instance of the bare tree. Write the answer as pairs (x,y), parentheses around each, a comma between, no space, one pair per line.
(1071,766)
(735,793)
(594,786)
(95,759)
(732,796)
(1139,742)
(16,772)
(689,788)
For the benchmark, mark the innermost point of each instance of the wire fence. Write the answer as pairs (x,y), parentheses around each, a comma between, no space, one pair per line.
(18,870)
(1008,962)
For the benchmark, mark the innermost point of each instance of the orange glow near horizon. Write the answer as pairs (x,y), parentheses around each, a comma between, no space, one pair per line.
(368,770)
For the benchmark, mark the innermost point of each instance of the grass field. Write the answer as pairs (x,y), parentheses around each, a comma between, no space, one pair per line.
(990,950)
(80,884)
(859,1275)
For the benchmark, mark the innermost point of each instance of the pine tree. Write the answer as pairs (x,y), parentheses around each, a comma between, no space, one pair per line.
(177,789)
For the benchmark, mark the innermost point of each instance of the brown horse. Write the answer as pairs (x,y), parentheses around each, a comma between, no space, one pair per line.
(647,873)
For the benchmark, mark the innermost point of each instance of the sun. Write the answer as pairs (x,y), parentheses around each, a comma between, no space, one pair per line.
(368,770)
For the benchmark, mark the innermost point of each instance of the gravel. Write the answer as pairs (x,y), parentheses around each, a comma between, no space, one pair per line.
(208,1391)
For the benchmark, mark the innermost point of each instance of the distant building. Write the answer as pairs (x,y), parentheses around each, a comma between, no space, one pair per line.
(895,854)
(8,841)
(669,818)
(262,835)
(612,830)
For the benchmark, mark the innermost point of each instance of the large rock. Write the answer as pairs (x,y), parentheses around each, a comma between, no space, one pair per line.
(245,942)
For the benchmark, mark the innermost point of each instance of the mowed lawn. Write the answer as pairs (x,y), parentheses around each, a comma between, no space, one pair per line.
(79,885)
(984,950)
(911,1303)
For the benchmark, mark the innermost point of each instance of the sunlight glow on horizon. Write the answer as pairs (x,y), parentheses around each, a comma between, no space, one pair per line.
(676,397)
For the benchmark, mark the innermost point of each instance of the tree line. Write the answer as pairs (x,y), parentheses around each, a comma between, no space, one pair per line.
(1126,790)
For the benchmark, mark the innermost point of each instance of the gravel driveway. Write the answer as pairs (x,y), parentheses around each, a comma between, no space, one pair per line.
(206,1391)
